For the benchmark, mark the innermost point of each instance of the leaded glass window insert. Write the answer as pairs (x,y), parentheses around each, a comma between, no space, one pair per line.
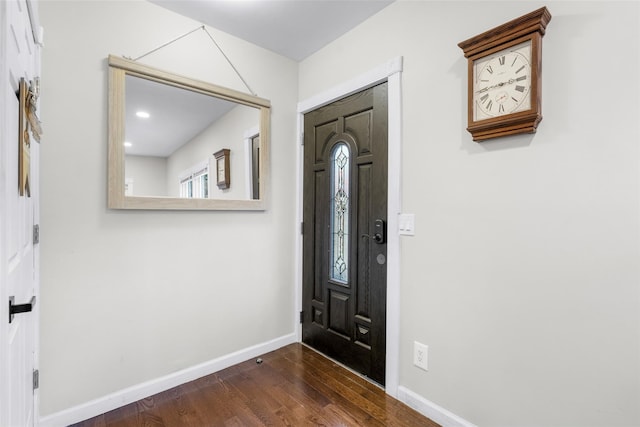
(339,269)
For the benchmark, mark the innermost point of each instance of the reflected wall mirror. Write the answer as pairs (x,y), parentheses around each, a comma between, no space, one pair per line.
(164,133)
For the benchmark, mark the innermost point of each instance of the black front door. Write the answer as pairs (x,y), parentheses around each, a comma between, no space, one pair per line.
(345,216)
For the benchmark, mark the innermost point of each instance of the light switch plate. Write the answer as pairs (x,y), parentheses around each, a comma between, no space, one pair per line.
(407,224)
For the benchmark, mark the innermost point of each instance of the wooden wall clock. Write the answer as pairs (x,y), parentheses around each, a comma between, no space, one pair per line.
(504,77)
(223,174)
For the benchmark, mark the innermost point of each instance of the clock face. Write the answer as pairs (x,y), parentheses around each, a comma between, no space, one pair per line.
(220,167)
(502,82)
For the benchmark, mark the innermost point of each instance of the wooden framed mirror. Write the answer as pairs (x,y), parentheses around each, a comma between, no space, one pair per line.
(164,130)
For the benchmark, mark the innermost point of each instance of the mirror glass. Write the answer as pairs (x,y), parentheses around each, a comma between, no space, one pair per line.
(178,143)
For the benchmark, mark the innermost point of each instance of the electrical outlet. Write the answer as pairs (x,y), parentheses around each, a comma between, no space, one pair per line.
(420,355)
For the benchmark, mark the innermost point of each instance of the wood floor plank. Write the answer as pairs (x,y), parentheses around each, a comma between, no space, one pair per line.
(126,416)
(292,386)
(375,400)
(315,378)
(177,409)
(299,413)
(217,403)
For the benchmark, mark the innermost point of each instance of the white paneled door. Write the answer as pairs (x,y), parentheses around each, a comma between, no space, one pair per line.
(19,255)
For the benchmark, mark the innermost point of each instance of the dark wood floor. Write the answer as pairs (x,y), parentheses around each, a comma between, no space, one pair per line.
(293,386)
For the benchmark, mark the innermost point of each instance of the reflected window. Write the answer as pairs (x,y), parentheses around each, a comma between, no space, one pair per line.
(340,194)
(195,185)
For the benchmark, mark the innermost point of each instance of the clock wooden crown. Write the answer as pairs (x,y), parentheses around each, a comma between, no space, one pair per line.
(527,28)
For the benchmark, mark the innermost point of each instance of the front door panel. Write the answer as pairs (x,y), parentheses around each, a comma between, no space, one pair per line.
(345,209)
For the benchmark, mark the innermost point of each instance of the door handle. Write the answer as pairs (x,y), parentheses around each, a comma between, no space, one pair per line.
(379,235)
(20,308)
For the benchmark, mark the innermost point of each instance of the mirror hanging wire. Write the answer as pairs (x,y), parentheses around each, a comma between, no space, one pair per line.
(202,27)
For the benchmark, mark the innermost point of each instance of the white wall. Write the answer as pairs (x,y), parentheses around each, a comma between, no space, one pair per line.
(148,174)
(227,132)
(523,275)
(118,305)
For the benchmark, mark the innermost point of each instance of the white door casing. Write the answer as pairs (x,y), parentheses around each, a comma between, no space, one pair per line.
(19,257)
(392,72)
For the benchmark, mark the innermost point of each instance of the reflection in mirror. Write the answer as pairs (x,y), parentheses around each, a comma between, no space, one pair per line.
(163,132)
(171,135)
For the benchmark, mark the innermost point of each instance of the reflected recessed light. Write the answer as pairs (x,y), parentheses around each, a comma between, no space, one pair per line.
(127,144)
(143,114)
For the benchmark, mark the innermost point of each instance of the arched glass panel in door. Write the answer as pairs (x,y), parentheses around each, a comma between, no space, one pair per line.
(340,196)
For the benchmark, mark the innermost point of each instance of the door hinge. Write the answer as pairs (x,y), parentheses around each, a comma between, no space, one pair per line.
(36,234)
(302,139)
(302,317)
(36,379)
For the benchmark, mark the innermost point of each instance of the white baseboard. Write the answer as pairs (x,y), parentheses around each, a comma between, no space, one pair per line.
(431,410)
(137,392)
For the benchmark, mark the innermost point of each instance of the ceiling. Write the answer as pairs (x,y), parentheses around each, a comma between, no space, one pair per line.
(175,116)
(293,28)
